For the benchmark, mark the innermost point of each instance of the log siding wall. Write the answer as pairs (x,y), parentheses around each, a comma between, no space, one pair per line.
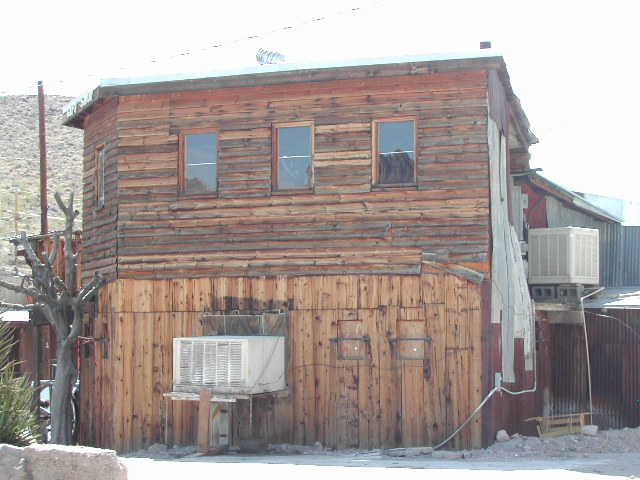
(343,226)
(99,223)
(376,402)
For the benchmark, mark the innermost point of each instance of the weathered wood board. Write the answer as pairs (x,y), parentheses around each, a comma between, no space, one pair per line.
(387,392)
(344,225)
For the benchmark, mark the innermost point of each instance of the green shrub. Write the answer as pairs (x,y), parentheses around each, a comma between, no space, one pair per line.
(18,417)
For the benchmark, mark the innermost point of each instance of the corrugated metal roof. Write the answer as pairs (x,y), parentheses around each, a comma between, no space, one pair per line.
(615,298)
(619,244)
(578,204)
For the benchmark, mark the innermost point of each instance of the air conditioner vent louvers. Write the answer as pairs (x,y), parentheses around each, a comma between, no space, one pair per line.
(229,364)
(567,255)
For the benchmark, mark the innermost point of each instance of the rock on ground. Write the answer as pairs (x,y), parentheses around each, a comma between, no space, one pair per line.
(157,447)
(58,462)
(287,449)
(409,452)
(446,455)
(12,463)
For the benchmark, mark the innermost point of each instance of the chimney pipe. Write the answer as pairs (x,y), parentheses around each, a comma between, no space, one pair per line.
(485,45)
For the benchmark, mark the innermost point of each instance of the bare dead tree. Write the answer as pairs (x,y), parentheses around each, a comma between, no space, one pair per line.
(61,304)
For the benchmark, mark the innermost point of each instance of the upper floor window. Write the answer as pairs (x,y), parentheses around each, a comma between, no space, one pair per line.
(395,152)
(292,158)
(99,176)
(199,163)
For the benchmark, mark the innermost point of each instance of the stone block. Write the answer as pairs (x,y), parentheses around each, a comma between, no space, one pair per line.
(12,463)
(59,462)
(590,430)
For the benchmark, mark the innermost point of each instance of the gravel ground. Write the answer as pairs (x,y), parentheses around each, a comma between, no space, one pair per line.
(610,453)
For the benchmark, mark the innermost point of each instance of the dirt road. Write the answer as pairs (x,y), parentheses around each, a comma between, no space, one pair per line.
(335,467)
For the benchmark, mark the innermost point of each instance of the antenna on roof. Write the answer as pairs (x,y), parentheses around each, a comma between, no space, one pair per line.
(267,57)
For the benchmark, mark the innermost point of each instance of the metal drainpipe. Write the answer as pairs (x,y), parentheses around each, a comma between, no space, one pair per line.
(586,344)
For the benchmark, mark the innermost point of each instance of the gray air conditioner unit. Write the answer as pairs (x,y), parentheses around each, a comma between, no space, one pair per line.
(228,364)
(567,255)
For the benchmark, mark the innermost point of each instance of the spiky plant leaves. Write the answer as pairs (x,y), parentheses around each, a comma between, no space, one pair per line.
(18,417)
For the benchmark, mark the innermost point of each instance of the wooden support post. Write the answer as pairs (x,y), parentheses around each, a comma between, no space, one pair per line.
(203,420)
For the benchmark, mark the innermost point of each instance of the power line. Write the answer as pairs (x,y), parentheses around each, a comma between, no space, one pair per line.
(271,32)
(228,43)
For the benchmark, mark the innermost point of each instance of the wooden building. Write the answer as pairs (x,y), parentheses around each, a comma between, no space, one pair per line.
(368,202)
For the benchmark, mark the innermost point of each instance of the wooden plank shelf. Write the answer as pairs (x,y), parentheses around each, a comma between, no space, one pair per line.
(196,397)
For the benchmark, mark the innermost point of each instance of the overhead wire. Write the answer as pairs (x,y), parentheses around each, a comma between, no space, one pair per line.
(617,320)
(270,32)
(222,44)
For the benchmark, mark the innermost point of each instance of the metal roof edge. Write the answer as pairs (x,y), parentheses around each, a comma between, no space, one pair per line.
(575,199)
(615,298)
(196,80)
(79,105)
(292,67)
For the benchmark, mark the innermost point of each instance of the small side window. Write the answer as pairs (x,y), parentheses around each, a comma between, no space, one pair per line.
(99,164)
(293,157)
(199,163)
(395,152)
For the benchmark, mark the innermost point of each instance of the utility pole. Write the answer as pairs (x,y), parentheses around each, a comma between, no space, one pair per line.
(44,224)
(44,229)
(17,230)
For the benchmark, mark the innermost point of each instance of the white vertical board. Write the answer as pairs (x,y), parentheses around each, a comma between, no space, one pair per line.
(510,301)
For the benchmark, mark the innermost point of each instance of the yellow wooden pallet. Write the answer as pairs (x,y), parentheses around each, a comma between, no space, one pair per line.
(557,425)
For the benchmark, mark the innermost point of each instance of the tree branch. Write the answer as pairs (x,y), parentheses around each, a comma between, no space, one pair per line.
(32,257)
(58,283)
(19,288)
(69,255)
(90,289)
(54,250)
(69,212)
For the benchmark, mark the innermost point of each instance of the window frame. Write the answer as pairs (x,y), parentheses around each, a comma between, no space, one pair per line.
(375,174)
(99,159)
(182,161)
(275,157)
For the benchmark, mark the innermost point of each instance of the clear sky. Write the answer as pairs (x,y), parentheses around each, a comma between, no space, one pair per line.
(572,63)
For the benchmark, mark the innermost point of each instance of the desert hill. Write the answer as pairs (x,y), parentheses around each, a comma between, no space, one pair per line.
(20,165)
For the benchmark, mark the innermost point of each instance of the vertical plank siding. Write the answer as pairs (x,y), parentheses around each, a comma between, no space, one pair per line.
(614,357)
(379,400)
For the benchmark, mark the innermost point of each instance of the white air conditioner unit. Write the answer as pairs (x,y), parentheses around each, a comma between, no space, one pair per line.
(564,255)
(228,364)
